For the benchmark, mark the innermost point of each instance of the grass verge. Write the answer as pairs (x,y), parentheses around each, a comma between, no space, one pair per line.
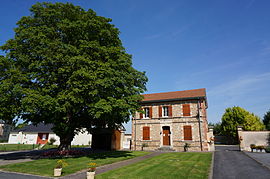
(167,165)
(45,167)
(15,147)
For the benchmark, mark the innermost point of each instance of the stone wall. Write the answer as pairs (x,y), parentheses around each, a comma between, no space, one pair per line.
(253,137)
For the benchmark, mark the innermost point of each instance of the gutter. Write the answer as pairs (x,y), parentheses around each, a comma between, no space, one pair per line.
(176,99)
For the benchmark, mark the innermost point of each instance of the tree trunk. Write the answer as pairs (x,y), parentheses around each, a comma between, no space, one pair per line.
(65,141)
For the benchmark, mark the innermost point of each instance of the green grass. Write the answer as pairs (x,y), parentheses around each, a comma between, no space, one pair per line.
(14,147)
(167,165)
(45,166)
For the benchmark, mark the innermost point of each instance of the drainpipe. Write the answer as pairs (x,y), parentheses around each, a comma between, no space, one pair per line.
(200,131)
(135,134)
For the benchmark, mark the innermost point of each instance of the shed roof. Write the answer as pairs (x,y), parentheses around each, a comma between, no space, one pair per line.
(175,95)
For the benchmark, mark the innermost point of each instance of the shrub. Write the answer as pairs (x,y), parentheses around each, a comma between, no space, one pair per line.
(260,147)
(252,147)
(186,146)
(267,149)
(52,140)
(144,145)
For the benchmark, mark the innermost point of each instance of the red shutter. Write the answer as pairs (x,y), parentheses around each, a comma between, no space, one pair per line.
(150,112)
(146,133)
(141,114)
(187,133)
(170,111)
(186,110)
(160,111)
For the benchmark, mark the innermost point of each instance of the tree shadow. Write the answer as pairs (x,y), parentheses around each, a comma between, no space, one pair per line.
(90,153)
(110,154)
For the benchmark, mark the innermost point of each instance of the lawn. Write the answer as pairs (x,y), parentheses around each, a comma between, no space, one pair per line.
(45,166)
(17,147)
(14,147)
(167,165)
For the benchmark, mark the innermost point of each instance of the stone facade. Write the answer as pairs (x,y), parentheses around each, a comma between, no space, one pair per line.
(174,123)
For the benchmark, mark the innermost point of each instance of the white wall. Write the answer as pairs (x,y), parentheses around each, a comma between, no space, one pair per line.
(29,138)
(52,135)
(83,138)
(15,138)
(126,141)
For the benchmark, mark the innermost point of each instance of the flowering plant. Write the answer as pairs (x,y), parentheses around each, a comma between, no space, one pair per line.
(92,167)
(63,153)
(61,164)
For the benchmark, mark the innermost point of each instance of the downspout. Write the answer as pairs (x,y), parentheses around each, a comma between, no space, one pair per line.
(135,134)
(200,131)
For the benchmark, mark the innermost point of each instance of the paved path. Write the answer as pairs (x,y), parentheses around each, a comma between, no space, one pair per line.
(18,156)
(11,175)
(105,168)
(230,163)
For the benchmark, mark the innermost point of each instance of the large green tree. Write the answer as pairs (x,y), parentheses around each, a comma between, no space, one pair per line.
(266,120)
(9,91)
(67,66)
(237,116)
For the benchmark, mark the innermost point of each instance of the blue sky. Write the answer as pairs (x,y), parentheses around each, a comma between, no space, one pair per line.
(223,46)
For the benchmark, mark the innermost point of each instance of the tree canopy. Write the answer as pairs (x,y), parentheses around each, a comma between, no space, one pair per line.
(68,67)
(237,116)
(266,120)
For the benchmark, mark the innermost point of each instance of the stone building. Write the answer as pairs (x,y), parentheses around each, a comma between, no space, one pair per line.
(172,119)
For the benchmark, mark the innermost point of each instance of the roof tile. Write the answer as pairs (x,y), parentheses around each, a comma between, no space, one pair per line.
(174,95)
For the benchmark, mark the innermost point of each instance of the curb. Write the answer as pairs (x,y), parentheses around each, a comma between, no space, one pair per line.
(262,164)
(210,176)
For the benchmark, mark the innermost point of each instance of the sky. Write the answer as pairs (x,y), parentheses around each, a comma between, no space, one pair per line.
(223,46)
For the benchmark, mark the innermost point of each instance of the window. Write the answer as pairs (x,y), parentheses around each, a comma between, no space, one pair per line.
(44,136)
(186,110)
(165,110)
(187,133)
(146,112)
(146,133)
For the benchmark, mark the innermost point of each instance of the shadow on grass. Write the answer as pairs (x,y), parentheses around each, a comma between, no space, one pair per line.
(93,154)
(110,154)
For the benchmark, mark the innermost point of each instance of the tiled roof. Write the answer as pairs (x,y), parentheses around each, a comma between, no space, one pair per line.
(174,95)
(41,127)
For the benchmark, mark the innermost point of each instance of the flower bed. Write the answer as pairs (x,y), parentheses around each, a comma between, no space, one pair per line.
(65,153)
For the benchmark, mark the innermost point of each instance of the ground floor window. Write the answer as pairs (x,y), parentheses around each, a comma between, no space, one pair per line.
(146,133)
(187,133)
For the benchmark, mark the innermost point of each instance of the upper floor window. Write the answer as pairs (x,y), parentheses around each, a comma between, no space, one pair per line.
(165,111)
(146,113)
(186,110)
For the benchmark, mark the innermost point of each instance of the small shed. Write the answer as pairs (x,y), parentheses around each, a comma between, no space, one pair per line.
(108,139)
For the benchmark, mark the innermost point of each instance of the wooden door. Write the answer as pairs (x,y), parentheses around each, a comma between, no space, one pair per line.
(42,138)
(166,136)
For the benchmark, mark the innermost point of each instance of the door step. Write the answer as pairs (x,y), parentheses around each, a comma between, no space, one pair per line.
(166,149)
